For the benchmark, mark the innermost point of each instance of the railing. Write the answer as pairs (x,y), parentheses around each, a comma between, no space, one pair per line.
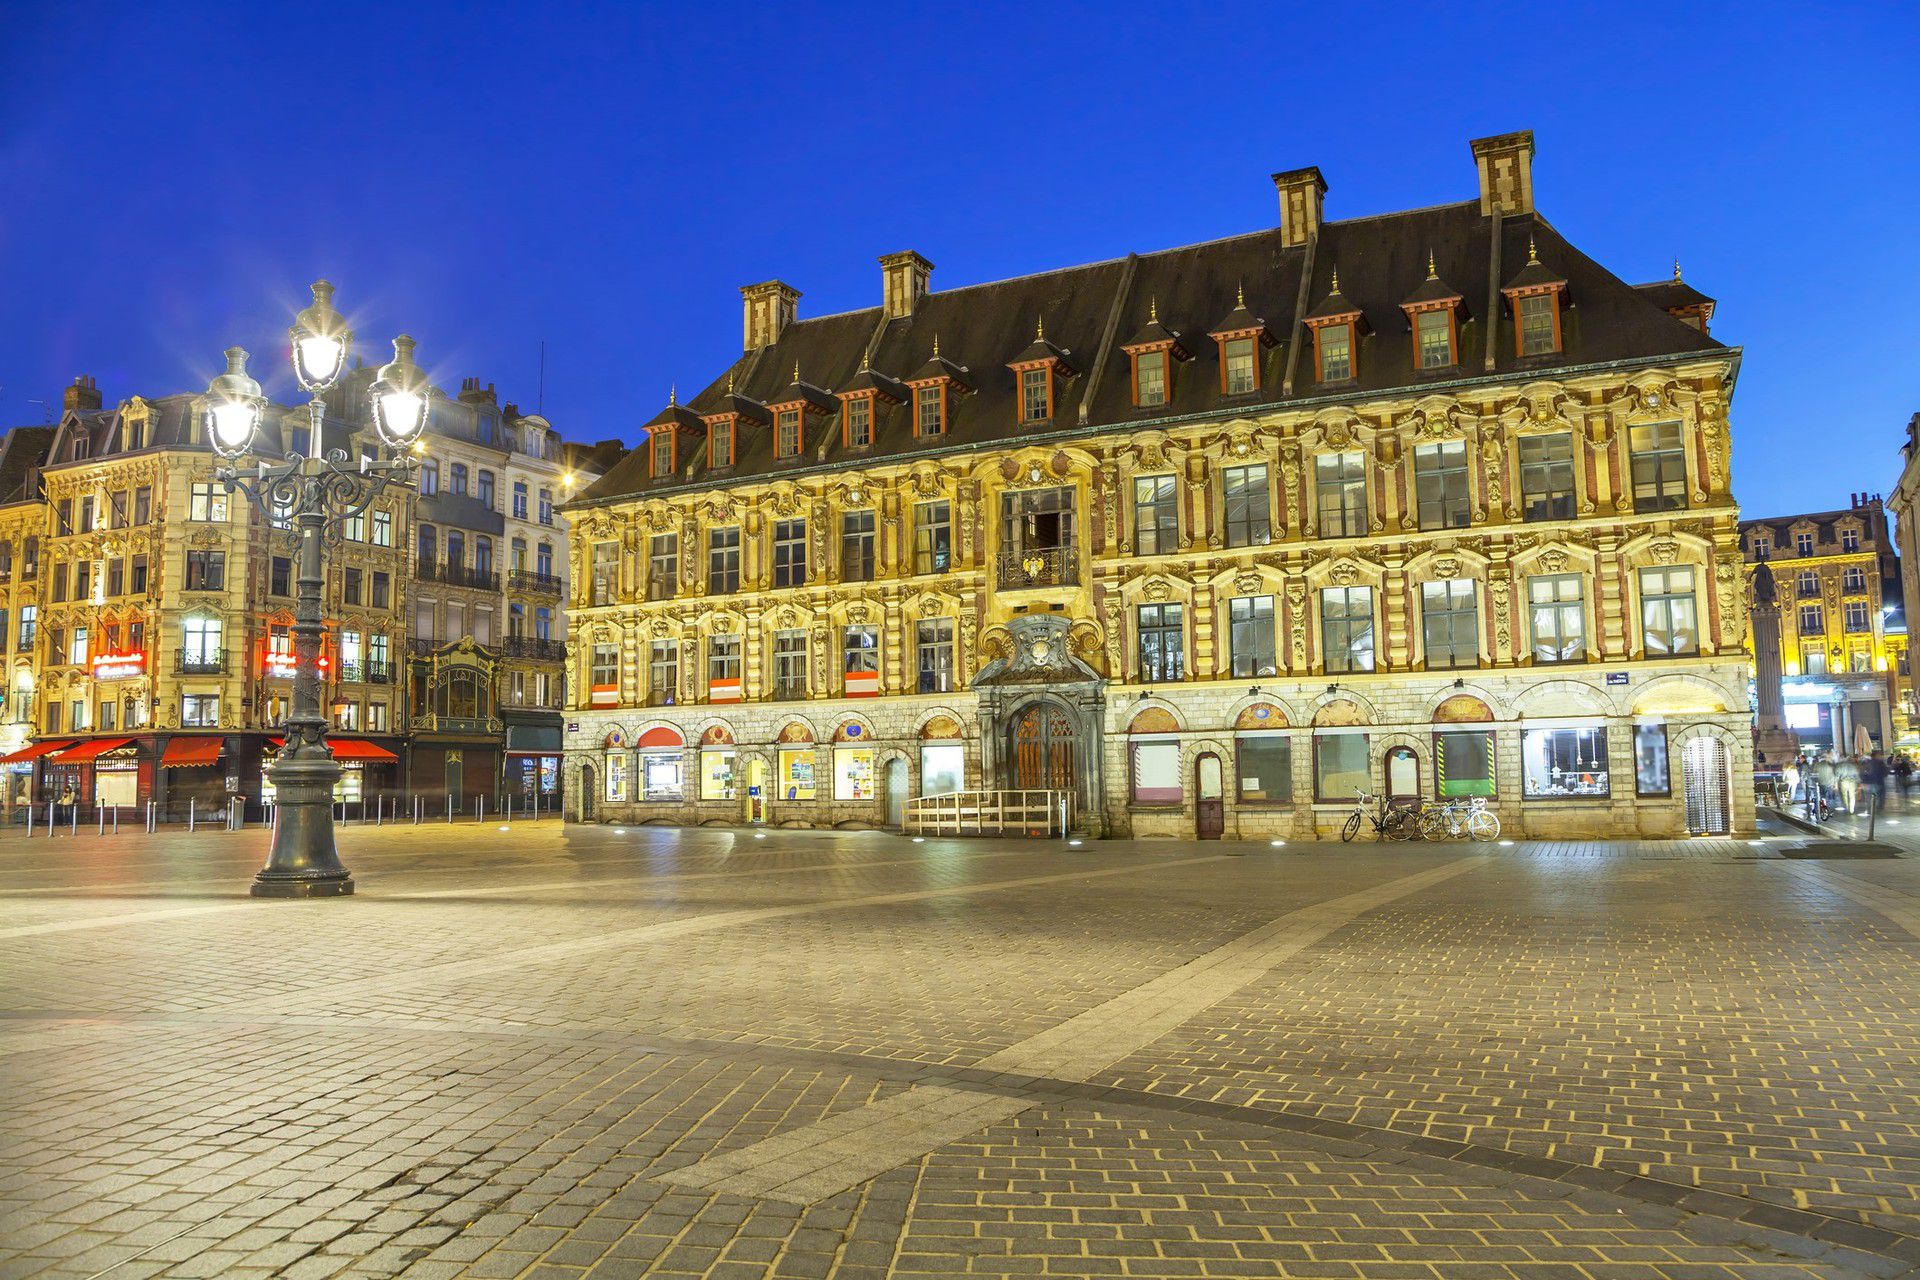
(456,724)
(457,575)
(1038,567)
(534,647)
(212,662)
(423,648)
(367,672)
(991,813)
(528,580)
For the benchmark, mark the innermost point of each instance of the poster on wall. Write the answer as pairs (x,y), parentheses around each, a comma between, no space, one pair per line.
(796,774)
(853,773)
(616,775)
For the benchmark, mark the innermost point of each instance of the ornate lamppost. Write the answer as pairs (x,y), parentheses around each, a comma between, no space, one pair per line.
(315,494)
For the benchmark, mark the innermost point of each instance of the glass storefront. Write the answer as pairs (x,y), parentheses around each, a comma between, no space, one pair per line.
(1565,763)
(943,769)
(716,773)
(853,773)
(796,773)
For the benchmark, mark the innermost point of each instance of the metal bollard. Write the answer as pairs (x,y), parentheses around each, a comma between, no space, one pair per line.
(151,820)
(116,819)
(449,806)
(416,811)
(73,817)
(53,819)
(29,817)
(100,817)
(190,813)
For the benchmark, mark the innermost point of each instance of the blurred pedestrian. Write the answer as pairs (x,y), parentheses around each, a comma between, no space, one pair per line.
(1873,775)
(1848,773)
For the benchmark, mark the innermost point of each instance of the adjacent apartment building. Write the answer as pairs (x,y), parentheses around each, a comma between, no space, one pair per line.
(1209,539)
(150,612)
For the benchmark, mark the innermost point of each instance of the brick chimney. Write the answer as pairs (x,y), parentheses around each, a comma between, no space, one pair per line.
(1505,162)
(83,395)
(770,308)
(903,281)
(1300,195)
(471,392)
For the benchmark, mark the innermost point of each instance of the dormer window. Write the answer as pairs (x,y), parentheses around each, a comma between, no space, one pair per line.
(1434,314)
(1150,378)
(786,434)
(660,453)
(1153,352)
(860,402)
(1239,373)
(790,412)
(1803,544)
(1039,369)
(856,422)
(930,411)
(1849,539)
(1433,339)
(1333,347)
(1036,395)
(720,442)
(1536,295)
(1242,336)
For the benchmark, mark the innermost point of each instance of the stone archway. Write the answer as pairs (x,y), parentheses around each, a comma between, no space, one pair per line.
(1047,703)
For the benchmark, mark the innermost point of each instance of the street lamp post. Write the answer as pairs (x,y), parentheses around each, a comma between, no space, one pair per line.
(316,494)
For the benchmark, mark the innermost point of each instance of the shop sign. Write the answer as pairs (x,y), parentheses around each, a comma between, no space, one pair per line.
(118,666)
(1616,677)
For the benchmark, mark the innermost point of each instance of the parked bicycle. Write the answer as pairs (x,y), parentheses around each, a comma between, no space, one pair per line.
(1391,819)
(1460,819)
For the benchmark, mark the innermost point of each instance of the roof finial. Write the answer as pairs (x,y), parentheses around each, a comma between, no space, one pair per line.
(673,394)
(936,345)
(1533,251)
(1676,268)
(729,382)
(866,361)
(1040,328)
(796,371)
(1153,310)
(1240,294)
(1432,274)
(1336,278)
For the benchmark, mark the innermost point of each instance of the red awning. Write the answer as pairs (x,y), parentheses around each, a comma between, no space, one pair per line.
(182,752)
(80,752)
(35,751)
(661,736)
(348,749)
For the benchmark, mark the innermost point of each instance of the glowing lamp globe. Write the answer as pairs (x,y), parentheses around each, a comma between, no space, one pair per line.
(234,407)
(400,397)
(320,340)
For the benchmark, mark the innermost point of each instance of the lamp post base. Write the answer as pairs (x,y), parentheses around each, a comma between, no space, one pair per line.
(267,885)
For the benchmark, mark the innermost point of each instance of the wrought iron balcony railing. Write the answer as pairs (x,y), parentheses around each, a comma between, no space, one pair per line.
(1038,567)
(207,662)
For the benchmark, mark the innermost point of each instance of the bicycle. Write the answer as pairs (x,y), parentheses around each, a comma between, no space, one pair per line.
(1460,820)
(1391,820)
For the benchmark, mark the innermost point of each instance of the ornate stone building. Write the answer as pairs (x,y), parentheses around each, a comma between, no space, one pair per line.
(1843,639)
(1427,503)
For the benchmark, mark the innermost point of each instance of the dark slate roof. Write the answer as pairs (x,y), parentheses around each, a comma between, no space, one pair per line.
(1153,333)
(1871,515)
(871,379)
(1534,273)
(677,416)
(1433,289)
(1674,295)
(983,328)
(22,450)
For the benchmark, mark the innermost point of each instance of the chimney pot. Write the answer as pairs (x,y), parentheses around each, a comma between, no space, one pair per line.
(903,282)
(1505,165)
(1301,192)
(83,395)
(770,307)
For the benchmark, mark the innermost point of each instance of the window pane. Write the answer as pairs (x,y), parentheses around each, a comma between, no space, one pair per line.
(1339,765)
(1440,485)
(1650,773)
(1564,762)
(1340,480)
(1346,628)
(1246,507)
(1659,467)
(1251,636)
(1266,768)
(1463,763)
(1546,477)
(1156,773)
(1450,623)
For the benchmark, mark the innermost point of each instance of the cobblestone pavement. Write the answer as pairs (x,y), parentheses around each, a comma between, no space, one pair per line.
(592,1052)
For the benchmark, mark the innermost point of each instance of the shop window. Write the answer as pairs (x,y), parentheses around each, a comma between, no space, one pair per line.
(853,773)
(661,776)
(1463,763)
(942,768)
(1265,766)
(1156,772)
(716,773)
(796,773)
(1339,766)
(1564,763)
(1651,775)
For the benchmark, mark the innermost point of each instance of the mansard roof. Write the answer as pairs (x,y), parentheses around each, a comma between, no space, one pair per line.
(1088,311)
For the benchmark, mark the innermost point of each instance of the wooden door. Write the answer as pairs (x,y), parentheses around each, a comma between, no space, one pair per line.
(1042,749)
(1210,816)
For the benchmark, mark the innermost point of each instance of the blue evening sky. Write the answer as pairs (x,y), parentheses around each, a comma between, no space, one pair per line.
(603,177)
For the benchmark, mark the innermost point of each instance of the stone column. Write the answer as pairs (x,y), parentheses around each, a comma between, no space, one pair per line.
(1771,736)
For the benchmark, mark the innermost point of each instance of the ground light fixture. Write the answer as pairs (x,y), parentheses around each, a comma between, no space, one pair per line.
(312,493)
(1278,844)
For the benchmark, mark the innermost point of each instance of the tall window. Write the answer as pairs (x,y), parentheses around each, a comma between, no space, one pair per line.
(1539,324)
(1808,583)
(486,489)
(457,478)
(1150,378)
(1334,342)
(1669,626)
(606,569)
(1156,527)
(1450,624)
(786,434)
(543,560)
(929,411)
(605,671)
(1803,544)
(859,422)
(933,655)
(1346,628)
(1245,505)
(200,642)
(860,655)
(790,664)
(1036,395)
(1440,485)
(723,560)
(789,553)
(206,570)
(545,509)
(28,614)
(858,542)
(1240,373)
(1433,338)
(350,588)
(1340,481)
(932,537)
(519,499)
(206,500)
(1546,476)
(720,444)
(1557,616)
(663,672)
(660,456)
(723,660)
(383,528)
(1853,579)
(1849,539)
(1161,656)
(1858,618)
(1659,467)
(199,710)
(1251,638)
(1813,619)
(663,565)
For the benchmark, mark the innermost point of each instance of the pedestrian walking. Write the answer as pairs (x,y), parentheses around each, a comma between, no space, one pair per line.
(1873,776)
(70,803)
(1848,772)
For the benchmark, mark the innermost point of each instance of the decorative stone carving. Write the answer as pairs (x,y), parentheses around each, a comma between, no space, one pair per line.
(1157,590)
(1553,559)
(1446,567)
(1248,584)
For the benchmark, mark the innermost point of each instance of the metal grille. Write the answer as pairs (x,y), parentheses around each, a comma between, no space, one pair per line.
(1704,775)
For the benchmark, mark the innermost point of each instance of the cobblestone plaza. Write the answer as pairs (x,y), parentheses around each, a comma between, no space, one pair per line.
(603,1052)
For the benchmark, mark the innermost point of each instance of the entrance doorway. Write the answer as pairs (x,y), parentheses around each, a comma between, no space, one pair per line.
(1403,774)
(589,792)
(756,789)
(1210,816)
(894,784)
(1041,736)
(1705,773)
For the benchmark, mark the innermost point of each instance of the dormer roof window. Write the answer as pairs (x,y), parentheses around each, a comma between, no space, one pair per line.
(1433,314)
(1242,338)
(1039,369)
(860,403)
(663,433)
(724,424)
(933,387)
(1680,300)
(790,410)
(1337,325)
(1153,352)
(1536,296)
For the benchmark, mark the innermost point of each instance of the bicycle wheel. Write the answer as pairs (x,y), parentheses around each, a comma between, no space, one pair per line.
(1433,823)
(1352,828)
(1402,825)
(1483,825)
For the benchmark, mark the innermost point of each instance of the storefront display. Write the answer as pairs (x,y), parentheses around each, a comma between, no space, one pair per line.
(616,776)
(1156,772)
(853,773)
(1266,767)
(661,775)
(716,773)
(1339,766)
(796,774)
(943,768)
(1565,763)
(1463,763)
